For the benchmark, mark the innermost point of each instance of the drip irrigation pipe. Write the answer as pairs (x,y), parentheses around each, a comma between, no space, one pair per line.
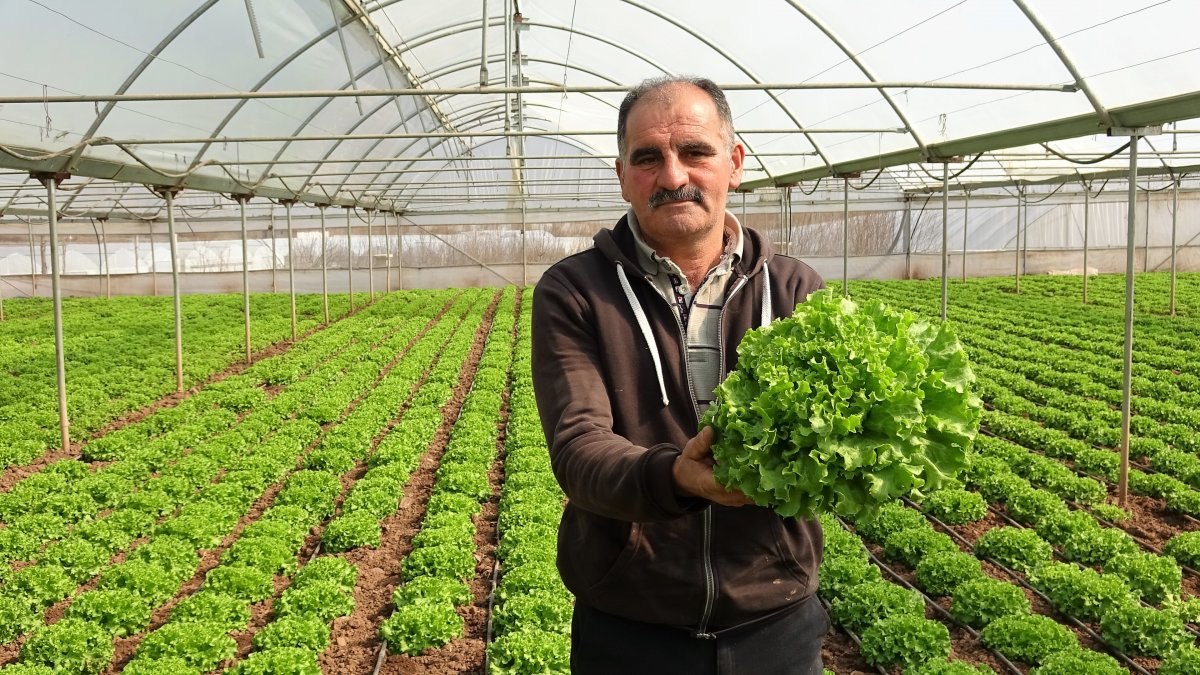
(1019,579)
(853,638)
(938,609)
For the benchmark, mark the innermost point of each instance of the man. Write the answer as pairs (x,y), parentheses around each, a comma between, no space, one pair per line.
(672,573)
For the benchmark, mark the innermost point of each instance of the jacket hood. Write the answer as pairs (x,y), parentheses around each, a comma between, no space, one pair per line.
(618,246)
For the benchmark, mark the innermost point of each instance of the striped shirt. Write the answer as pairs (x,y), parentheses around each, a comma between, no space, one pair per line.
(698,309)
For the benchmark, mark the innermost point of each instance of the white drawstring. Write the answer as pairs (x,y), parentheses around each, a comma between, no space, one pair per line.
(644,324)
(766,302)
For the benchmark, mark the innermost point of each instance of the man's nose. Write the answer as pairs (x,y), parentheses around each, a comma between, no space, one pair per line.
(672,173)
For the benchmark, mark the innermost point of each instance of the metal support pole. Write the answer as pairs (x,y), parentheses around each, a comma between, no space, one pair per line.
(241,199)
(324,266)
(845,235)
(291,267)
(387,253)
(1025,234)
(32,260)
(370,254)
(1017,243)
(908,236)
(1087,208)
(349,262)
(51,183)
(153,258)
(945,234)
(1174,224)
(966,212)
(1127,372)
(399,254)
(1146,237)
(169,195)
(524,251)
(104,257)
(274,255)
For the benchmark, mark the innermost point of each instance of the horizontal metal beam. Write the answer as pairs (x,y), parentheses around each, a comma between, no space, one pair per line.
(450,91)
(1160,111)
(499,133)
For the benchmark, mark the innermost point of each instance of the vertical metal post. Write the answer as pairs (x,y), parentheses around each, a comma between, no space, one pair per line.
(1146,238)
(1087,209)
(1017,243)
(483,55)
(907,236)
(291,266)
(399,254)
(1127,373)
(104,256)
(743,208)
(153,258)
(387,244)
(169,195)
(241,199)
(349,262)
(966,220)
(370,254)
(32,260)
(51,183)
(1174,224)
(945,234)
(274,254)
(1025,235)
(324,266)
(845,235)
(524,252)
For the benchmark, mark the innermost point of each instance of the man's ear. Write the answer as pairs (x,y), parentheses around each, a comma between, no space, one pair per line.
(620,167)
(737,157)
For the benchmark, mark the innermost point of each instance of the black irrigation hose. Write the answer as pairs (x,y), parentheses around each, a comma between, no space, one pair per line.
(491,606)
(1017,577)
(853,638)
(939,609)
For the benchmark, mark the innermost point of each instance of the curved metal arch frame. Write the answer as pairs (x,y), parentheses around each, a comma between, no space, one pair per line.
(1102,112)
(151,57)
(862,67)
(477,122)
(441,141)
(453,30)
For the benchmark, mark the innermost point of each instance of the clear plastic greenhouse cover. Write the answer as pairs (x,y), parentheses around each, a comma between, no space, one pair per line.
(492,102)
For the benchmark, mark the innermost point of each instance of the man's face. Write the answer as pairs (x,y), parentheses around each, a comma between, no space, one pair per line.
(677,167)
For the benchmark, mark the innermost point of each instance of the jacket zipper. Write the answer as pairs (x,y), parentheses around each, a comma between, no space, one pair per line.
(709,577)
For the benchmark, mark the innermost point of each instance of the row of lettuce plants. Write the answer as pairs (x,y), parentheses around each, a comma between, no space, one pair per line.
(437,571)
(202,522)
(48,505)
(295,637)
(120,357)
(531,616)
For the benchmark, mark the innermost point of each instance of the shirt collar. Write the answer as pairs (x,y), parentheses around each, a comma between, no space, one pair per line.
(653,263)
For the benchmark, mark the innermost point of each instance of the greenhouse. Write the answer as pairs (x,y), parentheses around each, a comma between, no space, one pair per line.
(267,271)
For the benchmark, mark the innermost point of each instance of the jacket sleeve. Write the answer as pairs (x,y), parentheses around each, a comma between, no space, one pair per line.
(599,470)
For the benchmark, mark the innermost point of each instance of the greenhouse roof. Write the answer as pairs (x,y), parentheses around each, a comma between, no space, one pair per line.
(427,105)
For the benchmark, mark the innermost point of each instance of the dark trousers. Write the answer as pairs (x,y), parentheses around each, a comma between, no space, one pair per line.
(788,644)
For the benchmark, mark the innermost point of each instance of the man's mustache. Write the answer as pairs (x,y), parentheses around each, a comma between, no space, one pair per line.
(685,193)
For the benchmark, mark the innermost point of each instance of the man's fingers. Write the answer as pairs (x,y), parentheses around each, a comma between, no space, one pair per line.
(700,446)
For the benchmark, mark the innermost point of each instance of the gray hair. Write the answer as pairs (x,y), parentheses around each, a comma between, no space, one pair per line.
(657,84)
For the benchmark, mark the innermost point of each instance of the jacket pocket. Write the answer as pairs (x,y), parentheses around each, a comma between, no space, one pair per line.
(591,548)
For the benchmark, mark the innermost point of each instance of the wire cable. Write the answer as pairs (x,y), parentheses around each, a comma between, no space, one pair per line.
(1063,157)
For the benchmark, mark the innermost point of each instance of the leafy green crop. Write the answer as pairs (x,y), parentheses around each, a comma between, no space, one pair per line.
(1153,577)
(1013,547)
(843,408)
(839,574)
(306,632)
(955,506)
(942,573)
(944,667)
(863,606)
(200,645)
(910,546)
(291,660)
(119,611)
(413,628)
(905,641)
(1144,631)
(530,651)
(70,646)
(1028,637)
(982,601)
(1076,661)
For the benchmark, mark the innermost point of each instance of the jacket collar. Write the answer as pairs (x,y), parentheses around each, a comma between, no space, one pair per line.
(619,246)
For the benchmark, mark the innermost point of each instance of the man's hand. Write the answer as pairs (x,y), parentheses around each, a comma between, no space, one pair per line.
(693,473)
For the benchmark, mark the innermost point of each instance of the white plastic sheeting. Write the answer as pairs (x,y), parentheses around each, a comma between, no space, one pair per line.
(859,86)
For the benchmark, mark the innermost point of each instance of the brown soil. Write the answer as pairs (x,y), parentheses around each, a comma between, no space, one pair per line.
(354,643)
(842,656)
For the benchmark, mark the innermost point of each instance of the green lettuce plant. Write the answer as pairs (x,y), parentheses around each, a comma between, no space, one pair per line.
(843,408)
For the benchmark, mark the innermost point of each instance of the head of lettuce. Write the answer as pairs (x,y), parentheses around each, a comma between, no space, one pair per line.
(842,408)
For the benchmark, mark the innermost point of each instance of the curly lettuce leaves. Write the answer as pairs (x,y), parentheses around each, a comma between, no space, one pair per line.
(842,408)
